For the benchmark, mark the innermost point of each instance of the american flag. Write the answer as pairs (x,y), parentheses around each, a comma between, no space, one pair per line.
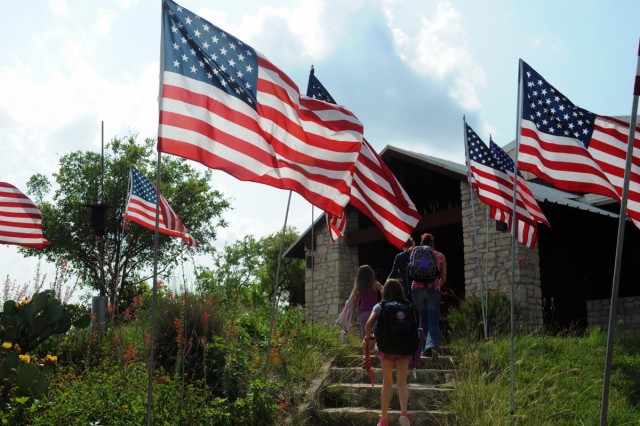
(20,219)
(506,165)
(493,186)
(375,191)
(225,105)
(141,208)
(572,148)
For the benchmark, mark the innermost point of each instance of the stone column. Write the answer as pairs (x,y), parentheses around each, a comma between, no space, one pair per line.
(329,283)
(492,261)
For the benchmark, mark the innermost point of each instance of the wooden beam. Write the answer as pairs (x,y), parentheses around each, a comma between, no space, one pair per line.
(427,222)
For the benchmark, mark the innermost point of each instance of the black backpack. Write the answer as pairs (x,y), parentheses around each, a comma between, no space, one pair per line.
(423,264)
(396,331)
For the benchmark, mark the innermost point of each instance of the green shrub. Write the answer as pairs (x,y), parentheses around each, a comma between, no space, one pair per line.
(466,321)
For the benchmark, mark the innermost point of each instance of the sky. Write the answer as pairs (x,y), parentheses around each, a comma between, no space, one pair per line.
(410,70)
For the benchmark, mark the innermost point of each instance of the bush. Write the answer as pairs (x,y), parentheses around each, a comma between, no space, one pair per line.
(466,322)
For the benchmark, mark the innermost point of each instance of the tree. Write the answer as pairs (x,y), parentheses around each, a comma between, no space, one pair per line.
(128,251)
(246,271)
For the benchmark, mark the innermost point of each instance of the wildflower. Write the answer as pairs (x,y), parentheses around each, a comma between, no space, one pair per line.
(25,358)
(26,301)
(51,358)
(124,406)
(7,345)
(137,301)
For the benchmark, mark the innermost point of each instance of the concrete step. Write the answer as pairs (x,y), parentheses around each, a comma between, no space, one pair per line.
(359,375)
(445,362)
(421,396)
(358,416)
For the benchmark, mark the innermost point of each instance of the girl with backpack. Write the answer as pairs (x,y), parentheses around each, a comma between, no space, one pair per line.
(365,293)
(396,333)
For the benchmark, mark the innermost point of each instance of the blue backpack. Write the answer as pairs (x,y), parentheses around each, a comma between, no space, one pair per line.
(423,264)
(396,331)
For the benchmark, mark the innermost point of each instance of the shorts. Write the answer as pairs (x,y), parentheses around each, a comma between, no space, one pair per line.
(389,357)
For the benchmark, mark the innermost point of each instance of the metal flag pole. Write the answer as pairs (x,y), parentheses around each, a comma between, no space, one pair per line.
(313,265)
(619,246)
(486,276)
(154,299)
(513,241)
(275,287)
(475,236)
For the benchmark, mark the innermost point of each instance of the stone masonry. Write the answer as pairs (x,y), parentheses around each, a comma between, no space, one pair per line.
(627,313)
(329,282)
(488,258)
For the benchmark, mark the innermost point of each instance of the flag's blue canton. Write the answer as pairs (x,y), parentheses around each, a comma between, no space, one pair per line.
(198,49)
(142,187)
(478,151)
(317,91)
(502,159)
(551,111)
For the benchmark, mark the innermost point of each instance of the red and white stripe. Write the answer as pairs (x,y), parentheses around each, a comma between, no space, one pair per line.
(562,161)
(337,225)
(495,188)
(289,141)
(377,193)
(608,148)
(526,233)
(20,219)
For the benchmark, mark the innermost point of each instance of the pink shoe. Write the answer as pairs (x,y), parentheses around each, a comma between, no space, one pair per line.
(383,422)
(404,421)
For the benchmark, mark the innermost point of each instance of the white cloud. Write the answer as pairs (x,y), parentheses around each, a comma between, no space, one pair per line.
(439,49)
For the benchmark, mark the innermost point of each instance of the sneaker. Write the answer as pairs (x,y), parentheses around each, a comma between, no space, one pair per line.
(404,421)
(427,353)
(383,422)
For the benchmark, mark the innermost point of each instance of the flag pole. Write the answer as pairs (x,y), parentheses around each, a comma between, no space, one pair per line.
(275,287)
(514,229)
(486,275)
(313,264)
(475,236)
(154,298)
(619,246)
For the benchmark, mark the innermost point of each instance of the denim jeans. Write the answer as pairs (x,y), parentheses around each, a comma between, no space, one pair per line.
(427,303)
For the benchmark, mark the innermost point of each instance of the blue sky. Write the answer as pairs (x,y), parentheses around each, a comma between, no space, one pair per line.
(408,69)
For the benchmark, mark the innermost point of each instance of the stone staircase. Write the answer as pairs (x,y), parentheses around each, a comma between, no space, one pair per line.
(344,395)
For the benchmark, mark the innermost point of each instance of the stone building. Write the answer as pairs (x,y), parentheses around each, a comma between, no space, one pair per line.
(564,282)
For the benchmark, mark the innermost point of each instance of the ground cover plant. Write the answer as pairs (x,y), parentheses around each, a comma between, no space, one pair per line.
(558,379)
(219,360)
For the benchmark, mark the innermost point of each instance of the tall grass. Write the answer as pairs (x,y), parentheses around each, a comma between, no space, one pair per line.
(557,381)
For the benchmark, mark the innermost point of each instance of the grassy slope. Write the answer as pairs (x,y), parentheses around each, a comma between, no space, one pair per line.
(558,381)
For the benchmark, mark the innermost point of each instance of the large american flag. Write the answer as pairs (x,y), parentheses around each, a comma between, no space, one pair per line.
(572,148)
(20,219)
(493,186)
(225,105)
(141,208)
(375,191)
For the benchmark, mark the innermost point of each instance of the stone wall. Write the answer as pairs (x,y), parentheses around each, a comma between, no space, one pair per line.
(488,261)
(329,282)
(627,313)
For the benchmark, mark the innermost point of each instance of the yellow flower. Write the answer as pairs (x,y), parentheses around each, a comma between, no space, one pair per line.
(7,345)
(26,301)
(25,358)
(51,358)
(124,406)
